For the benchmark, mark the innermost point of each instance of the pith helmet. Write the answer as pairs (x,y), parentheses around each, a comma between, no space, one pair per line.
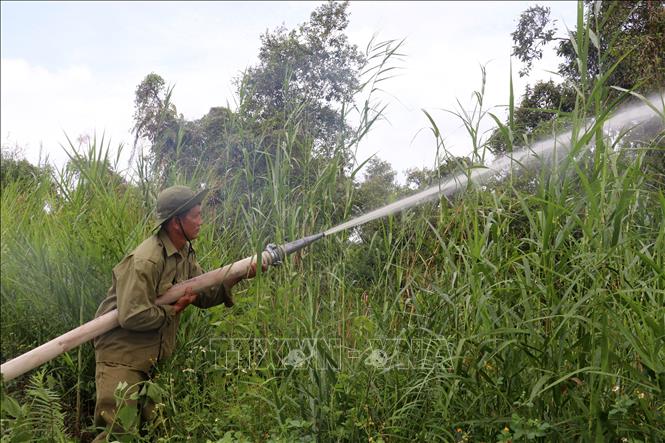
(176,200)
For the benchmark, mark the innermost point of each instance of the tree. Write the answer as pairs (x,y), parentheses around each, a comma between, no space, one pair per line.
(378,187)
(534,30)
(310,72)
(376,190)
(419,179)
(542,103)
(627,40)
(634,31)
(155,119)
(174,140)
(15,169)
(295,95)
(152,108)
(631,34)
(537,102)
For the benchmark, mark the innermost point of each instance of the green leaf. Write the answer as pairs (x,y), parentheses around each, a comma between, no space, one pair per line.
(536,390)
(155,392)
(594,39)
(11,407)
(128,416)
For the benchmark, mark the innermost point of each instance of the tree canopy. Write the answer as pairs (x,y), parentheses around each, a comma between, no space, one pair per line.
(296,94)
(312,70)
(631,34)
(626,44)
(17,170)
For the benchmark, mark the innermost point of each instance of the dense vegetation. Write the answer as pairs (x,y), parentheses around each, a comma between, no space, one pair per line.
(624,51)
(533,310)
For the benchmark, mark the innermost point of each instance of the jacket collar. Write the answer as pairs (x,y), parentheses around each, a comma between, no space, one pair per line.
(169,246)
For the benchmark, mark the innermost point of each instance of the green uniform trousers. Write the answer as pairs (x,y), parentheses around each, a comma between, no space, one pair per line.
(107,378)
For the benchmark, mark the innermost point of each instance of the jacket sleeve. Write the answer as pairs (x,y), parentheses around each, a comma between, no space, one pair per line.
(213,296)
(136,281)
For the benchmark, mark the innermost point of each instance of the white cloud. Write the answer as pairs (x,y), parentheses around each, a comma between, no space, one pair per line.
(446,43)
(40,106)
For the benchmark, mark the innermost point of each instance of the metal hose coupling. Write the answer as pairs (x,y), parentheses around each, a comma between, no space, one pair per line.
(279,252)
(276,254)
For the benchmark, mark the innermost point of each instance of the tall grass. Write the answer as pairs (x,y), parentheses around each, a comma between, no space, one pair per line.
(533,310)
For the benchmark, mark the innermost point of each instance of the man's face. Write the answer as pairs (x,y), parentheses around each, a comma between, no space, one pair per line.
(191,222)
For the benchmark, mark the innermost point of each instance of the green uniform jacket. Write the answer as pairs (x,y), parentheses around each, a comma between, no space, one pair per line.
(147,331)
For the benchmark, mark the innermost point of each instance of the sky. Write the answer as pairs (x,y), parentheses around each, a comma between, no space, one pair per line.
(70,69)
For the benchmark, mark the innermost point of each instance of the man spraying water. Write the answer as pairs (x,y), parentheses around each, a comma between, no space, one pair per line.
(147,331)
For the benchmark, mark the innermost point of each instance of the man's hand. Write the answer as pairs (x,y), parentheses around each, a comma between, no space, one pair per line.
(187,299)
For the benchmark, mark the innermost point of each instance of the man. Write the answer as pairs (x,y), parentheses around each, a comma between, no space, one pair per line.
(147,331)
